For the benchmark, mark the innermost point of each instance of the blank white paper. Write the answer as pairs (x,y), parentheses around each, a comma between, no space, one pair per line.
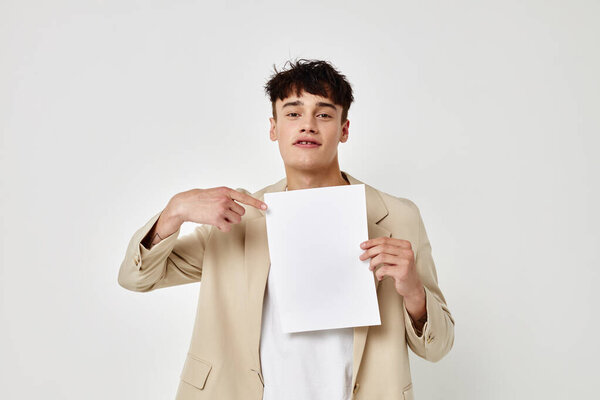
(314,238)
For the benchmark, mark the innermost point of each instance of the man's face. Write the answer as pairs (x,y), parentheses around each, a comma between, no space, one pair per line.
(310,118)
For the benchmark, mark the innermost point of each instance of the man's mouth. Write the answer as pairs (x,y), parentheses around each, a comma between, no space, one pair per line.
(307,143)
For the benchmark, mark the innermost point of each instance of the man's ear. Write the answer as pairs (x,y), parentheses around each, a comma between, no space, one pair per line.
(272,132)
(345,127)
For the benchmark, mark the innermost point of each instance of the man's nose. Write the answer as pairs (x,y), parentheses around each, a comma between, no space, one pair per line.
(309,125)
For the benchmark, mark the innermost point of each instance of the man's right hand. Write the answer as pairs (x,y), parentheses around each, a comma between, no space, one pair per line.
(216,206)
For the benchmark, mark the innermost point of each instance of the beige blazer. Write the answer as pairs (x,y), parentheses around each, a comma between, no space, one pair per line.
(223,362)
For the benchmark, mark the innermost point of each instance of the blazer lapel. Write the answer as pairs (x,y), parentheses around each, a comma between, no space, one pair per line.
(257,264)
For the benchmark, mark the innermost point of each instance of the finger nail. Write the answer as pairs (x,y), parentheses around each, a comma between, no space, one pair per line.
(263,206)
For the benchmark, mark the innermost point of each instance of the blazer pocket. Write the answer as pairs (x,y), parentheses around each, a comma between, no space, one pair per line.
(195,371)
(408,392)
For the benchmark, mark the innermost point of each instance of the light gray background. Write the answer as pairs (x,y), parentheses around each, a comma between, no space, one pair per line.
(483,113)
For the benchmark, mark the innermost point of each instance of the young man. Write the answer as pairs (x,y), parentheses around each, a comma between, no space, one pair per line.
(238,350)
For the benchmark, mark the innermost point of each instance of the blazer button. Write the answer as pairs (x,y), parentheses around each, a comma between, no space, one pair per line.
(430,339)
(136,259)
(356,386)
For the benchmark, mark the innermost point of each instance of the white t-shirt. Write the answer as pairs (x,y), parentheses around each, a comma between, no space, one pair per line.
(315,365)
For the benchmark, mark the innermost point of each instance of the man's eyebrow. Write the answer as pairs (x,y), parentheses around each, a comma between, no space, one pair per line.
(299,103)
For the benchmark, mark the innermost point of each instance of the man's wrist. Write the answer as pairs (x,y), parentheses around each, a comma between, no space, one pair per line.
(172,213)
(418,296)
(416,305)
(167,226)
(168,223)
(172,220)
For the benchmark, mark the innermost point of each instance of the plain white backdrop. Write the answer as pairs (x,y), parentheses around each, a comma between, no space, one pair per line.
(485,114)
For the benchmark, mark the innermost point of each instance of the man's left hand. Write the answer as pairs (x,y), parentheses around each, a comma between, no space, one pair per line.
(399,263)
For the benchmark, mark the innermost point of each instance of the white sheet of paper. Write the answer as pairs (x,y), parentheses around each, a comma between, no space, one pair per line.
(314,238)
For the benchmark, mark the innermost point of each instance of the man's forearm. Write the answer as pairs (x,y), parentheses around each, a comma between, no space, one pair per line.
(166,225)
(151,238)
(417,309)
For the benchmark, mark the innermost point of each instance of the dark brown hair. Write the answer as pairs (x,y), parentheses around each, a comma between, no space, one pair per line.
(314,76)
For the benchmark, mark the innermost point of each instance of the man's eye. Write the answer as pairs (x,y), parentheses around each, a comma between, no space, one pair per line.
(294,114)
(326,115)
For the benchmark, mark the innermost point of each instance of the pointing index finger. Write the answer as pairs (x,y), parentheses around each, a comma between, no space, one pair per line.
(247,199)
(372,242)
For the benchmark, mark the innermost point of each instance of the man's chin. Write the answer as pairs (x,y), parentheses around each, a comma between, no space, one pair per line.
(305,166)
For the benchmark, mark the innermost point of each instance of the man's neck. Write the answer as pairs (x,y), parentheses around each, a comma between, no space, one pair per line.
(307,180)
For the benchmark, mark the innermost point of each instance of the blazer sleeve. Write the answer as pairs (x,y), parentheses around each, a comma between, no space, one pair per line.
(437,336)
(172,261)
